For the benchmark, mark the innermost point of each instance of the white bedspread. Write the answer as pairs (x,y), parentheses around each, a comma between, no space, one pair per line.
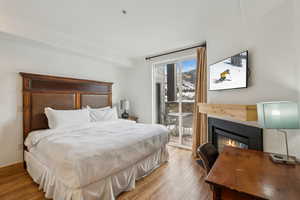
(88,153)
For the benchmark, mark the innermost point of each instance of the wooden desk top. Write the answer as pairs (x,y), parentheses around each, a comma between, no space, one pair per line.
(252,172)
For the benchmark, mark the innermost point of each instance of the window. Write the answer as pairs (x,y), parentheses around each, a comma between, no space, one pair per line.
(175,97)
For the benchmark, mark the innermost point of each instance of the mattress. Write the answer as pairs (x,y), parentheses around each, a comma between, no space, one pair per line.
(86,154)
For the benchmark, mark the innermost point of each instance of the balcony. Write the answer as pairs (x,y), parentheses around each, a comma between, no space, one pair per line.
(175,97)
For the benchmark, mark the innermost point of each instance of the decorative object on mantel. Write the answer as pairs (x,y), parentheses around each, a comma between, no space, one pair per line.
(125,105)
(234,111)
(279,115)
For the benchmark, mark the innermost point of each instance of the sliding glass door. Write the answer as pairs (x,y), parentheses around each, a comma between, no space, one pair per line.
(174,91)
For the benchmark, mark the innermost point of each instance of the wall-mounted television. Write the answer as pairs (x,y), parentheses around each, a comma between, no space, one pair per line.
(229,73)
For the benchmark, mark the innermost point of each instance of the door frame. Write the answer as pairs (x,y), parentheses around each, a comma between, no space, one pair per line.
(165,62)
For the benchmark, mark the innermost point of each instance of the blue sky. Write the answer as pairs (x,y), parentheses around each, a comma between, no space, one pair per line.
(188,65)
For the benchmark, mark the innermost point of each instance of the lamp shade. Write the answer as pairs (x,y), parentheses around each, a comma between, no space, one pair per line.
(278,115)
(126,105)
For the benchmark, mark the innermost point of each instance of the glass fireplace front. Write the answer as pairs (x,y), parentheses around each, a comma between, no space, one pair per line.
(223,133)
(230,139)
(225,141)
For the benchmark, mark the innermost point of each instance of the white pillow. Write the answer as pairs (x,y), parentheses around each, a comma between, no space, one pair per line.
(66,118)
(103,114)
(104,108)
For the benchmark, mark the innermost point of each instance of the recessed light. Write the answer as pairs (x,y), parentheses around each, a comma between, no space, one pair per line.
(124,12)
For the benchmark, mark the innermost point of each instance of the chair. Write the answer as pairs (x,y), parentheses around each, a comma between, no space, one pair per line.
(172,124)
(187,125)
(208,154)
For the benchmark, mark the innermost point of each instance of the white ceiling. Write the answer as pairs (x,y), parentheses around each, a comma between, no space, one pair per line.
(98,28)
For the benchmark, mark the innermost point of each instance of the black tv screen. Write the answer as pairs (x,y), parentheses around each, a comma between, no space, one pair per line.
(229,73)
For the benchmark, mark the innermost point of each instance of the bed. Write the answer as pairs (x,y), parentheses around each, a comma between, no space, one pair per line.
(88,160)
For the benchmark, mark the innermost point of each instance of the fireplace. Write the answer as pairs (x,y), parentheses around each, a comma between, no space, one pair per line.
(223,133)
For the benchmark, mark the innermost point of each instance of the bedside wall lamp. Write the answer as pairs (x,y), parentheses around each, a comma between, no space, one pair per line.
(125,106)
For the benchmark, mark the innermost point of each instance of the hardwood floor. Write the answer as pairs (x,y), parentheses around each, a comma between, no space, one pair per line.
(15,184)
(180,179)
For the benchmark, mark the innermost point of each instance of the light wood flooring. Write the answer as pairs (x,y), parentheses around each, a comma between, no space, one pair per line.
(180,179)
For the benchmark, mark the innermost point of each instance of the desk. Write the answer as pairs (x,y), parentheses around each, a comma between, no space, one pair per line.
(240,174)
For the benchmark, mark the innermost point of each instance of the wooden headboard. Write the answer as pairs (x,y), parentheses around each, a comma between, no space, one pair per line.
(40,91)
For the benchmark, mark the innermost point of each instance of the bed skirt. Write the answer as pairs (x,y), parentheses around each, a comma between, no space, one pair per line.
(104,189)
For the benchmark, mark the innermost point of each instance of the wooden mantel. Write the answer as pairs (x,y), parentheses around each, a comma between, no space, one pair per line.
(234,111)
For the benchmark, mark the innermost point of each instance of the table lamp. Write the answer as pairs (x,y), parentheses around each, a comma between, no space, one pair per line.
(279,115)
(125,106)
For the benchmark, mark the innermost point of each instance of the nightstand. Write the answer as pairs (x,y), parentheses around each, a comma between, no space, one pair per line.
(133,118)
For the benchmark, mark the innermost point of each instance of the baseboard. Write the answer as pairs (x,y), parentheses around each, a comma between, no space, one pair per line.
(16,165)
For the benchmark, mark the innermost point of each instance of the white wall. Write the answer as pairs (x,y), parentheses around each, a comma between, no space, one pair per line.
(139,82)
(270,41)
(269,35)
(19,55)
(268,30)
(139,91)
(297,42)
